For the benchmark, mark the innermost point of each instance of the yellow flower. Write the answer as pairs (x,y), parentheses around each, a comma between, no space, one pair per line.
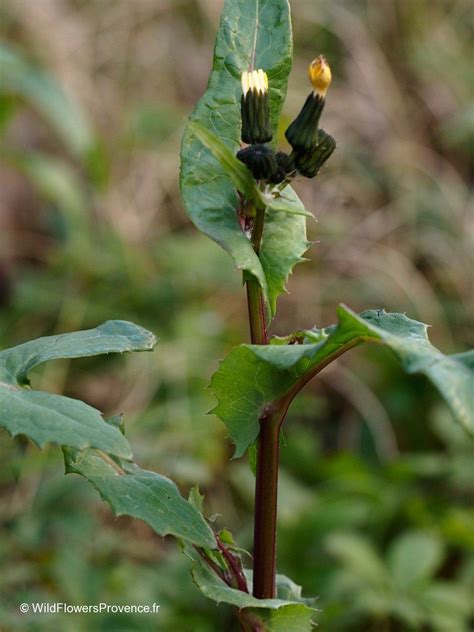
(320,76)
(254,80)
(302,134)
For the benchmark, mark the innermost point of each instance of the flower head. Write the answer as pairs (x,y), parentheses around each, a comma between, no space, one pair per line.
(311,146)
(320,76)
(260,159)
(285,168)
(302,134)
(255,108)
(254,80)
(309,164)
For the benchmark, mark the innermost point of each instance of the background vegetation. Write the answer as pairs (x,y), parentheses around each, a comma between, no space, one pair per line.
(377,485)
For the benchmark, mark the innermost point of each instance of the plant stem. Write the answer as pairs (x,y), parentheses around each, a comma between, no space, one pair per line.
(248,621)
(234,565)
(258,333)
(266,488)
(220,573)
(255,301)
(266,477)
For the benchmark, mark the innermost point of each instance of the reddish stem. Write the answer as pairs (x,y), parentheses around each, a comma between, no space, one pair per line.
(234,565)
(266,491)
(266,477)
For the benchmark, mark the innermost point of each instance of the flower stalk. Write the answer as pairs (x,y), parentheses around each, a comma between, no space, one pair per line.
(255,300)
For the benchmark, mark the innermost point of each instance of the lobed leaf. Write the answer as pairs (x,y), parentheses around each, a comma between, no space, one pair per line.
(252,33)
(253,379)
(284,242)
(141,494)
(48,418)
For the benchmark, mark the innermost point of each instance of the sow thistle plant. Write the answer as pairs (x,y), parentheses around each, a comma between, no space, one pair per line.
(236,187)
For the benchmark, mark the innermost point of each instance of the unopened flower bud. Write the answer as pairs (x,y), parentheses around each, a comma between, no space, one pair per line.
(260,159)
(255,108)
(285,168)
(320,75)
(309,163)
(303,132)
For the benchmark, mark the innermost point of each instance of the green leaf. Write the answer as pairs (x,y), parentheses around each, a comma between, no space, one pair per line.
(414,556)
(284,243)
(196,498)
(358,555)
(291,618)
(236,170)
(288,609)
(286,589)
(141,494)
(286,201)
(22,78)
(114,336)
(254,380)
(256,31)
(449,605)
(47,418)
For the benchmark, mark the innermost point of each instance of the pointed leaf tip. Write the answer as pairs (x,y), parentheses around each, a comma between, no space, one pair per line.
(210,175)
(253,377)
(48,418)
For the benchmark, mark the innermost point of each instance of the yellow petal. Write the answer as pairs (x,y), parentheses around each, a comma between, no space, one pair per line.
(320,75)
(262,80)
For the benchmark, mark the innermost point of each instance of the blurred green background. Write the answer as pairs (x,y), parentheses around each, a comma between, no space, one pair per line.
(377,485)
